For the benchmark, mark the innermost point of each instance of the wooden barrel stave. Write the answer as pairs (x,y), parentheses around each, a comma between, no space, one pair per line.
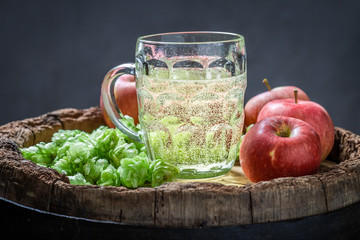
(287,198)
(116,204)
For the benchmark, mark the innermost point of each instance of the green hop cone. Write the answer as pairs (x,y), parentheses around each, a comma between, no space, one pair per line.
(134,171)
(63,165)
(126,150)
(93,168)
(63,136)
(105,157)
(41,153)
(162,172)
(109,177)
(78,179)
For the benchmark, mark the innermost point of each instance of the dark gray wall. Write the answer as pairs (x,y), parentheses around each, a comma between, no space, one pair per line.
(54,54)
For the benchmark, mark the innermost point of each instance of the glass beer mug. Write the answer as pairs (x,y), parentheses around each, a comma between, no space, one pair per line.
(190,90)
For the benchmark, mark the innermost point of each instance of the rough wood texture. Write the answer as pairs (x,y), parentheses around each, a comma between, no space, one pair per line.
(179,204)
(202,204)
(40,129)
(287,198)
(117,204)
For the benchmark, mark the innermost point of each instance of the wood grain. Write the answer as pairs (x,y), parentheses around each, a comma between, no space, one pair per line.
(201,204)
(117,204)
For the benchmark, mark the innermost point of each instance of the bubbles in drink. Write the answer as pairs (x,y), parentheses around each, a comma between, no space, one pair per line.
(193,119)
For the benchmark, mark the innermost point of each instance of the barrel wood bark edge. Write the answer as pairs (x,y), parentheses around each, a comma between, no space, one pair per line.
(172,204)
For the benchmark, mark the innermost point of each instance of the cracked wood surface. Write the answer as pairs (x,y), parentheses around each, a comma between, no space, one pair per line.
(183,203)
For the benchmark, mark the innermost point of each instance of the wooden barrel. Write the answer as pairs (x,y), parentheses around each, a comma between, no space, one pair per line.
(42,201)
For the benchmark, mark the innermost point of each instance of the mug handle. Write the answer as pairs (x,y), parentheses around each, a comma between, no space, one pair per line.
(108,97)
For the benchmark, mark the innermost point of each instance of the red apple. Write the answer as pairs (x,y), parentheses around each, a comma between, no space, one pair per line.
(125,96)
(280,147)
(308,111)
(254,105)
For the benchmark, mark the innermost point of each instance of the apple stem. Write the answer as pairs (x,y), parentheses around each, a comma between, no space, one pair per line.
(296,95)
(266,82)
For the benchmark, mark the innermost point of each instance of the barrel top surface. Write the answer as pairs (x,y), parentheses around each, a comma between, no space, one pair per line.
(228,200)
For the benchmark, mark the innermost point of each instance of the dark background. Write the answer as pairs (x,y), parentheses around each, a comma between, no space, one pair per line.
(54,54)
